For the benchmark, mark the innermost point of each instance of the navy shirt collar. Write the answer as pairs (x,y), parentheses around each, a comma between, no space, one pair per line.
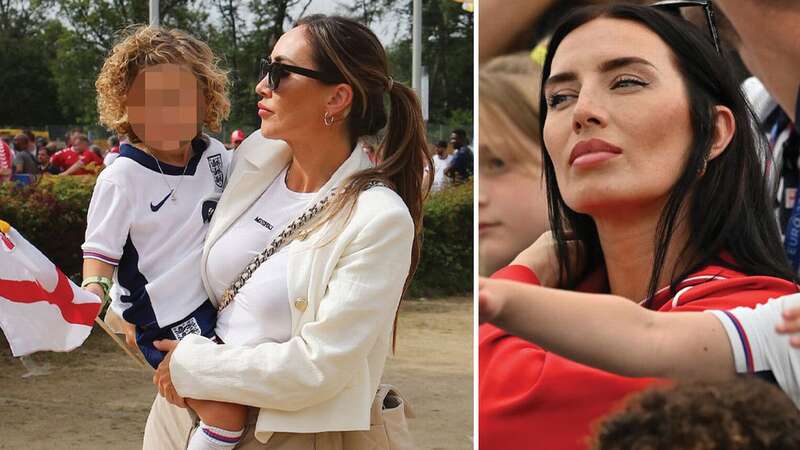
(199,145)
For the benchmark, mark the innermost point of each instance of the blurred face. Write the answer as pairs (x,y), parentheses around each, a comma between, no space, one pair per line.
(164,106)
(618,124)
(455,140)
(20,142)
(42,156)
(296,108)
(512,201)
(80,145)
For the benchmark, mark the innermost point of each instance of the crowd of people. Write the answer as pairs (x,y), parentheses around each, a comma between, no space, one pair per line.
(452,159)
(24,157)
(666,173)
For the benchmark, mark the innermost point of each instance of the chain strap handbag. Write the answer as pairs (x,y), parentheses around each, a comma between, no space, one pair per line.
(389,410)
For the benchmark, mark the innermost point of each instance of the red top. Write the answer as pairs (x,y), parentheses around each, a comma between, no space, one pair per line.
(533,399)
(64,159)
(89,157)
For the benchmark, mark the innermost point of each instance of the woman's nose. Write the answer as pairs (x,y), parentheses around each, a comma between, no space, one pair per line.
(587,113)
(262,88)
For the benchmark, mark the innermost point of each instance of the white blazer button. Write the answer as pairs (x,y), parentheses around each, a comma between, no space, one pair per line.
(301,304)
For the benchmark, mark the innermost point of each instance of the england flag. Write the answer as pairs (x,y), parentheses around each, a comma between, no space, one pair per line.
(40,308)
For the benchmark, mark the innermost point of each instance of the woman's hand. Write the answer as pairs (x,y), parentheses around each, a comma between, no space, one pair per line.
(162,377)
(790,325)
(497,297)
(542,258)
(490,300)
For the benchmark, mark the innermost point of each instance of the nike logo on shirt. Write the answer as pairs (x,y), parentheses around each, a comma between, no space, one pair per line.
(158,205)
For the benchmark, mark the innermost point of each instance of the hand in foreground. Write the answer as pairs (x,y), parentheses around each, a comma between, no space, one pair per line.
(790,325)
(162,377)
(542,258)
(130,334)
(494,297)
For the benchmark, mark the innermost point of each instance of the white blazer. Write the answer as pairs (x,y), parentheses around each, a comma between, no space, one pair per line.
(343,295)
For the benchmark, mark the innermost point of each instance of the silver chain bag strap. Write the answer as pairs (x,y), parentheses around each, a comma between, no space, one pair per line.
(284,237)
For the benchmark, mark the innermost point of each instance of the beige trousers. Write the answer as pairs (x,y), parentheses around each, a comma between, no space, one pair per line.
(169,428)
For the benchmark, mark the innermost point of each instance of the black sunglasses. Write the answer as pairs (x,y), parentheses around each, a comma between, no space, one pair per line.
(674,7)
(275,71)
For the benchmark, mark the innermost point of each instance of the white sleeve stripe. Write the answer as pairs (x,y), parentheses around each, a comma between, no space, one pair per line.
(737,341)
(100,257)
(748,353)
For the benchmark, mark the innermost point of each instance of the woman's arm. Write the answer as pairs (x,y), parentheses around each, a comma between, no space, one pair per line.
(610,332)
(358,307)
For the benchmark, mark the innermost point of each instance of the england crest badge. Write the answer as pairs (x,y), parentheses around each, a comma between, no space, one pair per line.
(215,165)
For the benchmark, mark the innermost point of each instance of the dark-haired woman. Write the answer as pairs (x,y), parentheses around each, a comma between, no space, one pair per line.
(306,336)
(651,163)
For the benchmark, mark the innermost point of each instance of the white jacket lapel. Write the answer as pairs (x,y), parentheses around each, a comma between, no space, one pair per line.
(257,162)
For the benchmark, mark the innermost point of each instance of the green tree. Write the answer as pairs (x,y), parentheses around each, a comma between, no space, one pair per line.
(26,84)
(447,53)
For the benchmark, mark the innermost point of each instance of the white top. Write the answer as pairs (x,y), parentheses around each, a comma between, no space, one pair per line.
(155,242)
(260,311)
(758,348)
(440,180)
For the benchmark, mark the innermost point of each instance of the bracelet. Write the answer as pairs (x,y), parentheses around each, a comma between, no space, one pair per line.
(104,283)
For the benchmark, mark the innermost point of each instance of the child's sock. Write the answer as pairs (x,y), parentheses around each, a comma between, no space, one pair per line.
(212,438)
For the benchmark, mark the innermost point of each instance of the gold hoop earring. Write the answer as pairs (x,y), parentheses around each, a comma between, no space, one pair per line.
(327,119)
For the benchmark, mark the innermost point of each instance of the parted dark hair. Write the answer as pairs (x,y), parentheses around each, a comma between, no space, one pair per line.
(351,50)
(741,414)
(726,207)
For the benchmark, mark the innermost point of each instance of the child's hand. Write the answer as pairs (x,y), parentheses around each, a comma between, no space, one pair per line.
(790,325)
(96,289)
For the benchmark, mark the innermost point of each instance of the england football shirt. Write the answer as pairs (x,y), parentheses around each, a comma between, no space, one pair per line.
(150,220)
(758,349)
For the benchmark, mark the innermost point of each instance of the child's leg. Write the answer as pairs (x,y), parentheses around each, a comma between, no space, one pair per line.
(221,424)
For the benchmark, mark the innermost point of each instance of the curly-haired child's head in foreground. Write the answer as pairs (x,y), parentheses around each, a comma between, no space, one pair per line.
(742,414)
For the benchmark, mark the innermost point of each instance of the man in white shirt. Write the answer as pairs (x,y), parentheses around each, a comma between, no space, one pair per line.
(441,160)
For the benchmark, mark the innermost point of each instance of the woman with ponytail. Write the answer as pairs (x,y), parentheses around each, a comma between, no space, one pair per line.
(304,332)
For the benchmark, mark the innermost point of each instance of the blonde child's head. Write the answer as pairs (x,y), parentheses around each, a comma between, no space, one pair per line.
(150,48)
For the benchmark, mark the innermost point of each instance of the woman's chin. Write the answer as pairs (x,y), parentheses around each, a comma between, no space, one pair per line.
(268,131)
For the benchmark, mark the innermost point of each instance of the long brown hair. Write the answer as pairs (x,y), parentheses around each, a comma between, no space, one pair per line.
(345,47)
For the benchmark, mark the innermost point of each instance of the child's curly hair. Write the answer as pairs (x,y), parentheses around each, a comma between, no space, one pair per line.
(146,46)
(740,414)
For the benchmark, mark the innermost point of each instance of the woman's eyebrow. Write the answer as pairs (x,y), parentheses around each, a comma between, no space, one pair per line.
(283,59)
(605,66)
(617,63)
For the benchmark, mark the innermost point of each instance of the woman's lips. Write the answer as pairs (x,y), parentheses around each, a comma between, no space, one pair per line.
(263,111)
(592,151)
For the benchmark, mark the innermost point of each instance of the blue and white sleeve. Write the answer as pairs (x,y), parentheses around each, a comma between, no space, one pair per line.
(108,223)
(758,349)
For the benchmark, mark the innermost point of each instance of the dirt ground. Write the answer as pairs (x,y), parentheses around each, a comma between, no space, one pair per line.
(97,398)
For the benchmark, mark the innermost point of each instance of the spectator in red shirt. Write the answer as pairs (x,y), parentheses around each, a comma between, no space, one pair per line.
(650,162)
(237,136)
(73,160)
